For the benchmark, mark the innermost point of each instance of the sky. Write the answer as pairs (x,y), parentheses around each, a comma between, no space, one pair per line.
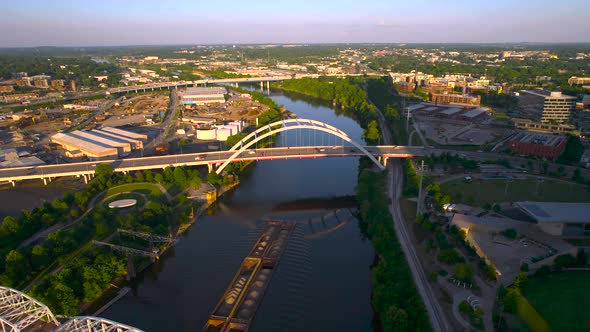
(171,22)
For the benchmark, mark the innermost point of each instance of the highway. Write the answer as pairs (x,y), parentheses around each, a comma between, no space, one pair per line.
(206,158)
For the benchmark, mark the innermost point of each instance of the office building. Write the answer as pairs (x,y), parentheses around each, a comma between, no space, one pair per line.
(547,106)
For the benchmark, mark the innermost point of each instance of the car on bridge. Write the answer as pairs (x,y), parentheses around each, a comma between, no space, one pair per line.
(200,157)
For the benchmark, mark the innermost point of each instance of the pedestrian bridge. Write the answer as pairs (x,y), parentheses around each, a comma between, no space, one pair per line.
(245,150)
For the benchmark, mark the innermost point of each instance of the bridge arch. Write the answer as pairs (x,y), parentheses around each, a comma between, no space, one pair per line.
(18,310)
(247,141)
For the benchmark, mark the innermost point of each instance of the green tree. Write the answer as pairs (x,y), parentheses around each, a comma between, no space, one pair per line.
(372,133)
(9,225)
(16,266)
(463,272)
(396,320)
(39,257)
(180,177)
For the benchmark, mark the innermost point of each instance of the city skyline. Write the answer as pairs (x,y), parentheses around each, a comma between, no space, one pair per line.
(109,23)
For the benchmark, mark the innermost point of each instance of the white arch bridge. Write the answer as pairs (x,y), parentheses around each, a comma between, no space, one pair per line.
(20,312)
(245,150)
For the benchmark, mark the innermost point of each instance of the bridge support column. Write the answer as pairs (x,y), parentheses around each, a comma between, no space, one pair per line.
(45,181)
(261,85)
(268,85)
(13,183)
(130,268)
(385,161)
(85,178)
(209,168)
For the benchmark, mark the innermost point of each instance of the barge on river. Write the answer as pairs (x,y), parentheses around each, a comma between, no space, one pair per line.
(236,309)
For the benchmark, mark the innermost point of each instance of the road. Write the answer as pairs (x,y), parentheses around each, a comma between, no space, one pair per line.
(165,125)
(395,178)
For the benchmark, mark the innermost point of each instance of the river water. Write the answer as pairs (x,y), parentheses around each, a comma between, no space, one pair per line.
(322,282)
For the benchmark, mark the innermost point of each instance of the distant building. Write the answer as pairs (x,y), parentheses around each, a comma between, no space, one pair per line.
(453,99)
(547,106)
(57,84)
(438,88)
(561,219)
(41,84)
(24,81)
(578,80)
(530,125)
(405,87)
(6,88)
(202,96)
(537,144)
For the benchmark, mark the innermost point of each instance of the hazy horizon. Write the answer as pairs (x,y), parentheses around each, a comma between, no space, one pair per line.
(34,23)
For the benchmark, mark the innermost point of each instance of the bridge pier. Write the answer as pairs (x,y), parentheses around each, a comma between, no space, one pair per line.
(13,183)
(268,85)
(385,161)
(130,268)
(261,85)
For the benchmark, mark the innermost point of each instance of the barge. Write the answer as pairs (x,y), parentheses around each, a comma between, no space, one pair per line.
(235,311)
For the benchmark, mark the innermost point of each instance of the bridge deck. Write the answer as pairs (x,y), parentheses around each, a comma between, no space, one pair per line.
(206,158)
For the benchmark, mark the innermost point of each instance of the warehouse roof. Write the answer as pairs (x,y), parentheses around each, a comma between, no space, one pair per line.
(205,91)
(124,133)
(475,112)
(89,147)
(556,212)
(451,111)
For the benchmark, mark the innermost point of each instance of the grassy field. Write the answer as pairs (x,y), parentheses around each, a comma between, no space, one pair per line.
(490,191)
(146,188)
(562,299)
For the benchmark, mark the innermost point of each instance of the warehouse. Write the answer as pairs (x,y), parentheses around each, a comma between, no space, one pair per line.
(76,147)
(99,144)
(122,147)
(202,96)
(473,114)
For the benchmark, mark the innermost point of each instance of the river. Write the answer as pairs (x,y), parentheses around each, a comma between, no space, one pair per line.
(323,279)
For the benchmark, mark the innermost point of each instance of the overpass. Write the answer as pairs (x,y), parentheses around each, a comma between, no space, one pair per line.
(182,84)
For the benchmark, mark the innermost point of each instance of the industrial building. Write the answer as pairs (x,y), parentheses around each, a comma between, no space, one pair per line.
(537,144)
(453,99)
(99,144)
(561,219)
(474,114)
(547,106)
(202,96)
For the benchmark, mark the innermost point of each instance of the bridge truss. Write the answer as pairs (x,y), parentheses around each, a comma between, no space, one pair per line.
(147,236)
(94,324)
(130,251)
(18,311)
(287,125)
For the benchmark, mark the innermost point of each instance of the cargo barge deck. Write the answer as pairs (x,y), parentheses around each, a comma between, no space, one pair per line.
(237,308)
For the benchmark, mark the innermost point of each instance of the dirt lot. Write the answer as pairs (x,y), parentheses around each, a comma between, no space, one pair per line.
(235,108)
